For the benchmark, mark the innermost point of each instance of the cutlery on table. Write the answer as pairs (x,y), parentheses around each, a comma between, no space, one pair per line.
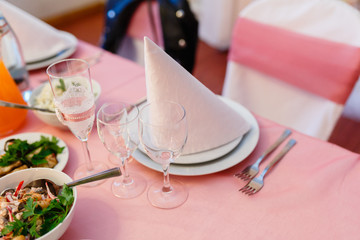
(21,106)
(250,171)
(257,183)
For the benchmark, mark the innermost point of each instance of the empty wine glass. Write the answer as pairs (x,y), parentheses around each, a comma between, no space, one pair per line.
(75,106)
(163,134)
(116,161)
(117,127)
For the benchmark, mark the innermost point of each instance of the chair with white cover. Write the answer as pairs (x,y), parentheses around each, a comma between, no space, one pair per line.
(295,62)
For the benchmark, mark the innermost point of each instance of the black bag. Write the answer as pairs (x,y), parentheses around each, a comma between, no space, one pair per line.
(179,27)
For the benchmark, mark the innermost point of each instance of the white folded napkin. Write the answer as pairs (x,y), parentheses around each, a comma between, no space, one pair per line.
(211,122)
(38,40)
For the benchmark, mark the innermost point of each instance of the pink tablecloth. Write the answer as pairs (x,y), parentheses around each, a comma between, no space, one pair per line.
(312,193)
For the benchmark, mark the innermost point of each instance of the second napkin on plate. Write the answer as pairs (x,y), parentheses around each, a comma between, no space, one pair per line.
(211,122)
(38,39)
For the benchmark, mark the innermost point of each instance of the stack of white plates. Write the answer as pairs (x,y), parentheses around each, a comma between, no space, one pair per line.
(213,160)
(46,60)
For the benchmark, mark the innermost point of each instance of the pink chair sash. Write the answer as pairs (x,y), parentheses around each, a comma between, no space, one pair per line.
(323,67)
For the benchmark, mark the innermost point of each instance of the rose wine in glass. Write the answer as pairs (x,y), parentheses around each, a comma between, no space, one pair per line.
(163,134)
(75,106)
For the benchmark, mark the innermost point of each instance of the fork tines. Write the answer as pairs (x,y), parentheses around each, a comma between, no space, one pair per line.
(244,174)
(251,188)
(257,183)
(252,170)
(247,190)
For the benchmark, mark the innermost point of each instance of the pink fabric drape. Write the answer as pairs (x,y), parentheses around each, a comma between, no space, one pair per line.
(325,68)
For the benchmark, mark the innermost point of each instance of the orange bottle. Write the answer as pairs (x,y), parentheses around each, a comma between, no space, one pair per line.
(10,118)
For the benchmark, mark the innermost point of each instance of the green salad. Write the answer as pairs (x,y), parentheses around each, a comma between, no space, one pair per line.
(19,154)
(33,212)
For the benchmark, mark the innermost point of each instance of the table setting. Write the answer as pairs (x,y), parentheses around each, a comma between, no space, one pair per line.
(188,158)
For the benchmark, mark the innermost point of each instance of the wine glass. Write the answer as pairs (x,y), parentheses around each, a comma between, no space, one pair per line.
(116,161)
(163,134)
(117,127)
(74,100)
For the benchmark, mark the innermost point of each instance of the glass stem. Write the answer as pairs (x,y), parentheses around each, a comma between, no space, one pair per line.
(123,168)
(89,165)
(166,187)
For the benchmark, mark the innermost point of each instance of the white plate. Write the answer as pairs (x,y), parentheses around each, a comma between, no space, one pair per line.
(208,155)
(203,156)
(35,136)
(63,54)
(241,151)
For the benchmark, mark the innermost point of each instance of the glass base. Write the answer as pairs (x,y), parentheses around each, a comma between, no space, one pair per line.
(134,186)
(82,172)
(169,199)
(116,161)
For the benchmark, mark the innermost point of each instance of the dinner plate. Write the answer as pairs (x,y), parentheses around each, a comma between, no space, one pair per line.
(203,156)
(208,155)
(61,55)
(238,154)
(35,136)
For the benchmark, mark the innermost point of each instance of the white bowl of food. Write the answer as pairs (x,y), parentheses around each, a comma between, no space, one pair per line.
(42,97)
(12,181)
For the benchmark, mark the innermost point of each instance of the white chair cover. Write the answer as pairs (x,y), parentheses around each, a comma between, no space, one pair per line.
(216,20)
(277,100)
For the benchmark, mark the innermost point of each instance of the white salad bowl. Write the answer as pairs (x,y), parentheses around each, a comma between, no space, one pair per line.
(12,180)
(50,118)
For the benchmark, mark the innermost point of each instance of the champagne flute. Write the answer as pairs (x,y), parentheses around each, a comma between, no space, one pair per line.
(163,134)
(117,127)
(75,106)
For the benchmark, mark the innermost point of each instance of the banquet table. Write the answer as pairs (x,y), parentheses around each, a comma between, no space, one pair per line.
(312,193)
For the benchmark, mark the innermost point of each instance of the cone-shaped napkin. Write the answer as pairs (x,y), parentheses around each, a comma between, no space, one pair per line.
(37,39)
(211,122)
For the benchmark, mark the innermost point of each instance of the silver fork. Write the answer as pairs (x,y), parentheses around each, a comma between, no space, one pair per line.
(250,171)
(257,183)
